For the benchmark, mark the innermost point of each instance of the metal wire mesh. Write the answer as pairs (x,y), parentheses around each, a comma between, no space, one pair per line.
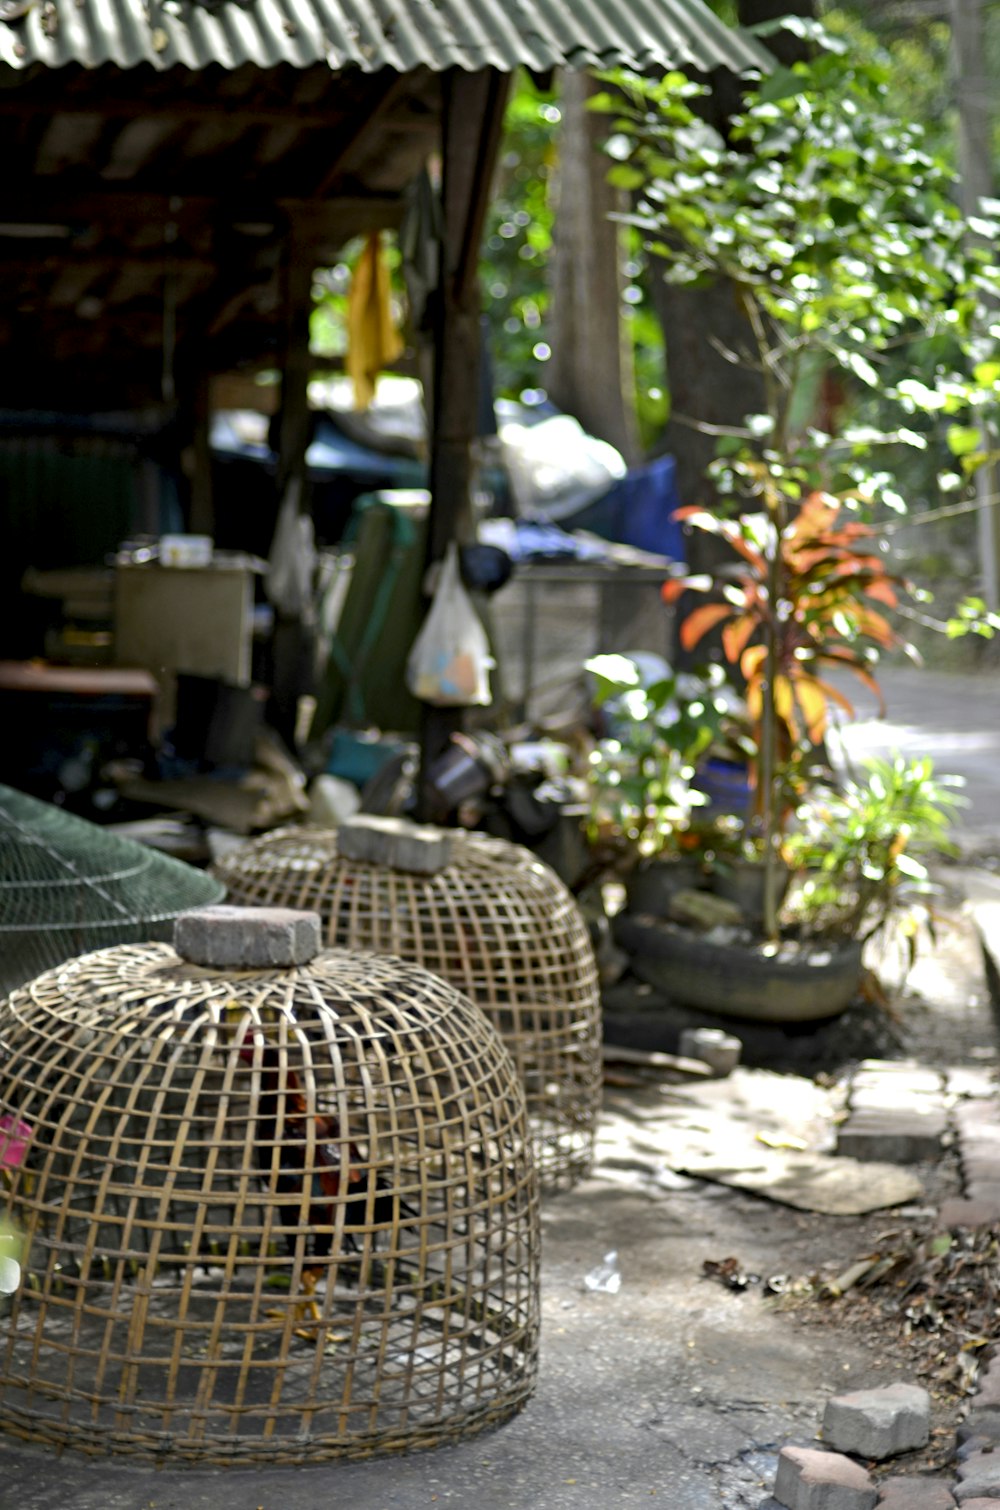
(274,1215)
(68,886)
(497,924)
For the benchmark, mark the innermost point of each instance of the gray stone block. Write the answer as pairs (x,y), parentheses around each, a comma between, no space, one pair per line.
(719,1050)
(418,848)
(979,1478)
(915,1494)
(811,1480)
(247,938)
(878,1423)
(892,1137)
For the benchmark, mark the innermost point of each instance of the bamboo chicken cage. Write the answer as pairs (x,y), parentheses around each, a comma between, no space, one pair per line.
(275,1207)
(481,913)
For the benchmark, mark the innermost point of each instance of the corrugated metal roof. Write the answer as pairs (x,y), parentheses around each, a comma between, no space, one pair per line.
(373,34)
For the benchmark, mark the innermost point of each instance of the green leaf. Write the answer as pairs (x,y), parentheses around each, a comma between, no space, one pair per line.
(963,439)
(625,176)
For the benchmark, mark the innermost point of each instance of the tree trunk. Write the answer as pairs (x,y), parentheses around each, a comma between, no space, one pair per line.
(975,138)
(699,325)
(588,375)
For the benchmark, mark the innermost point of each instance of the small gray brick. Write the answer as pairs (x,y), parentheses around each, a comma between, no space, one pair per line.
(878,1423)
(915,1494)
(982,1422)
(892,1137)
(418,848)
(812,1480)
(247,938)
(719,1050)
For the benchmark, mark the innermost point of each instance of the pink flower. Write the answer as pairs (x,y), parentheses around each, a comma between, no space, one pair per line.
(14,1138)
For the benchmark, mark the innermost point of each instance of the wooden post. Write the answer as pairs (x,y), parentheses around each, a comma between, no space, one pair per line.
(472,120)
(291,673)
(293,433)
(202,505)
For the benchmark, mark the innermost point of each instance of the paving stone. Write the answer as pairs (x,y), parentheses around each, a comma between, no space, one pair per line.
(972,1447)
(967,1213)
(979,1477)
(892,1137)
(916,1494)
(980,1163)
(986,1192)
(878,1423)
(988,1389)
(982,1421)
(911,1070)
(889,1094)
(978,1119)
(247,938)
(811,1480)
(976,1084)
(978,1504)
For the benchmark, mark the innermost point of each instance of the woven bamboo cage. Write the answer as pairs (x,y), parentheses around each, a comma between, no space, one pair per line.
(68,886)
(490,918)
(277,1214)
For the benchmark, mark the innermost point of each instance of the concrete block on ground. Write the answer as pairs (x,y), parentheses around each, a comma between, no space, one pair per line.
(878,1423)
(915,1494)
(396,842)
(957,1212)
(719,1050)
(808,1479)
(247,938)
(892,1137)
(979,1478)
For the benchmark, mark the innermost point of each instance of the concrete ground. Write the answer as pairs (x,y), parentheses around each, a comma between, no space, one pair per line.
(675,1390)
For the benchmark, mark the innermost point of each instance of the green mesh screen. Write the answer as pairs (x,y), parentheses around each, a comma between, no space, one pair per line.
(68,886)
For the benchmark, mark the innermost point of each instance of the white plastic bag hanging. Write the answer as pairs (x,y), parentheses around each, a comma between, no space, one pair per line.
(450,662)
(290,570)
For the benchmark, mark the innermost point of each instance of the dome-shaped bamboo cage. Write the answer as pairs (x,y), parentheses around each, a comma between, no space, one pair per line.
(485,915)
(68,886)
(280,1213)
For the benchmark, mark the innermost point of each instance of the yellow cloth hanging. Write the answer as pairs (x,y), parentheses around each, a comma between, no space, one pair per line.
(373,342)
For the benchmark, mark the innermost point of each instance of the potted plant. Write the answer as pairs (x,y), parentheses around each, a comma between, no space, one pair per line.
(643,804)
(837,234)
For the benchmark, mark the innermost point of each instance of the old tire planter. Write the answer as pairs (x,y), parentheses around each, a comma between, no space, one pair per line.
(736,981)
